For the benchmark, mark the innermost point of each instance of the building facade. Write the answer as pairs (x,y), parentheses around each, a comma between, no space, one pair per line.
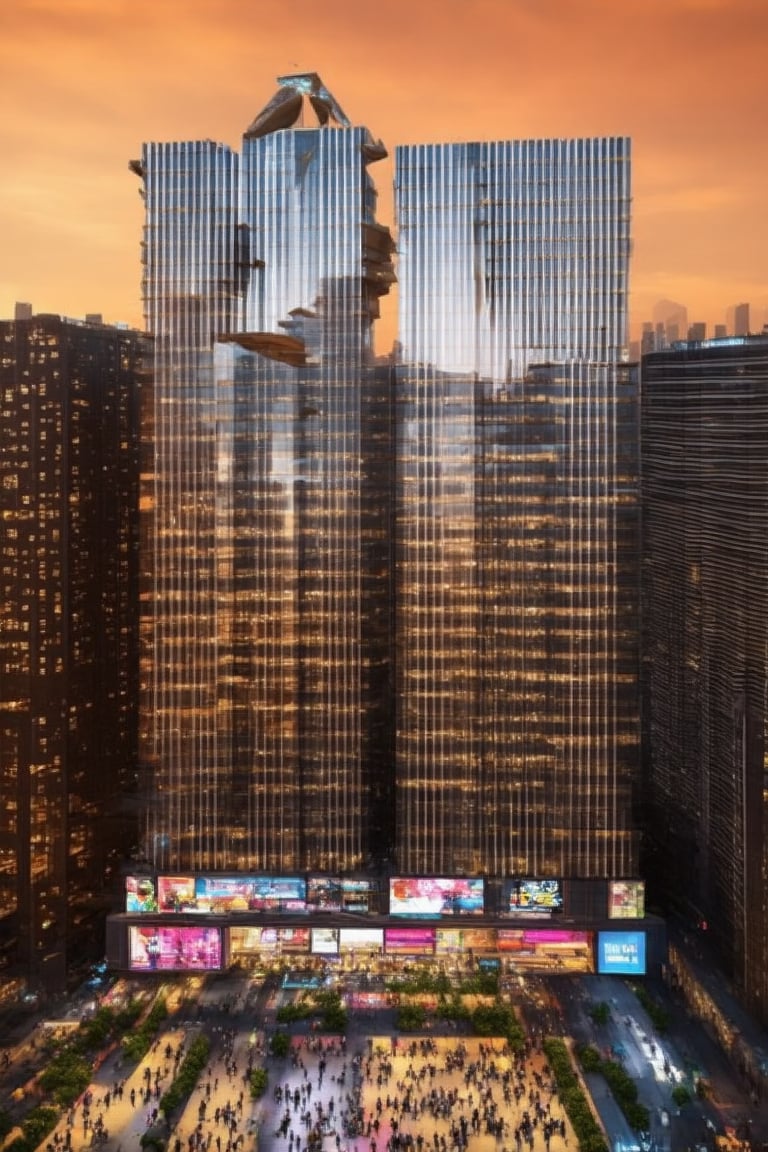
(68,678)
(388,626)
(266,492)
(517,511)
(705,509)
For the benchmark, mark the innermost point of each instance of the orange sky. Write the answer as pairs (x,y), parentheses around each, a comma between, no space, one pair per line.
(84,82)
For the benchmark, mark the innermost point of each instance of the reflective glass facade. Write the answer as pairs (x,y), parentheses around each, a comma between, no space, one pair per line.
(516,515)
(388,623)
(705,581)
(266,497)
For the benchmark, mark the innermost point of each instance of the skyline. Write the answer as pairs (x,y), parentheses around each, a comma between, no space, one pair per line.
(90,83)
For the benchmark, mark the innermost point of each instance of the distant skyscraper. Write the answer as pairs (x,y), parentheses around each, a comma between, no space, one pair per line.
(68,490)
(516,617)
(697,330)
(705,521)
(741,320)
(266,577)
(673,319)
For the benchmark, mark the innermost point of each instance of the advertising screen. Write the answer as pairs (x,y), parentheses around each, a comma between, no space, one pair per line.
(547,949)
(355,895)
(250,893)
(415,941)
(325,941)
(174,949)
(269,940)
(435,896)
(361,939)
(140,895)
(489,963)
(532,897)
(479,939)
(626,900)
(621,953)
(334,894)
(448,940)
(176,893)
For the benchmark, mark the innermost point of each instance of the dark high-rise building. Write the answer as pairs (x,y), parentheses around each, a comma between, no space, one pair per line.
(265,599)
(68,682)
(516,596)
(705,521)
(388,624)
(738,318)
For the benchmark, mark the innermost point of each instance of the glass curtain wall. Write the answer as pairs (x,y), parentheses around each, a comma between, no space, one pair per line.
(511,756)
(267,610)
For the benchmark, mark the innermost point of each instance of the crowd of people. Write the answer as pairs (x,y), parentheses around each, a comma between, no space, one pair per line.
(426,1095)
(389,1094)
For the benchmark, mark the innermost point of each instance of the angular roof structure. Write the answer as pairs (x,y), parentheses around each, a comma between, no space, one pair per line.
(301,101)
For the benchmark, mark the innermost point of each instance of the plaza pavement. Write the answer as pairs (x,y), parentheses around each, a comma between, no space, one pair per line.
(384,1067)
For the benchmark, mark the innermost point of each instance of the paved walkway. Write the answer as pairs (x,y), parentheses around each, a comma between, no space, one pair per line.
(436,1094)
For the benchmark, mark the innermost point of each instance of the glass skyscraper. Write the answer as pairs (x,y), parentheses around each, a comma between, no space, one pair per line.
(388,616)
(266,697)
(516,520)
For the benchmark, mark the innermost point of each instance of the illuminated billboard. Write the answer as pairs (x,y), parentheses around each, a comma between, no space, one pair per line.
(176,893)
(244,941)
(140,895)
(337,894)
(455,940)
(621,953)
(250,893)
(435,896)
(547,949)
(236,893)
(626,900)
(361,939)
(530,897)
(448,940)
(325,941)
(414,941)
(154,949)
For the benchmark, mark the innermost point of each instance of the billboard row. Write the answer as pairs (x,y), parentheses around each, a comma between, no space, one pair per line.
(430,896)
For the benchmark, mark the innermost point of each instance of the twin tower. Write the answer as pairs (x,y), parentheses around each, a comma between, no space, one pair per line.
(389,606)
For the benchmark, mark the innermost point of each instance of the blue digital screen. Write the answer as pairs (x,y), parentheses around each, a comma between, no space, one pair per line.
(621,953)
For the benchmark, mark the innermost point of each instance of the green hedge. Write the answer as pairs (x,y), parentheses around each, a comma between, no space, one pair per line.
(657,1012)
(588,1131)
(280,1044)
(35,1127)
(453,1009)
(681,1095)
(67,1076)
(623,1087)
(191,1066)
(440,984)
(410,1018)
(498,1019)
(258,1081)
(136,1046)
(287,1013)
